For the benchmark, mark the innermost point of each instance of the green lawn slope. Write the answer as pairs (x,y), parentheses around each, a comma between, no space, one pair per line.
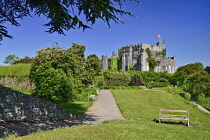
(15,70)
(140,108)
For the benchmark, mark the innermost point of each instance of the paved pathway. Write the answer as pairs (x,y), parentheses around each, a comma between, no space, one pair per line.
(104,108)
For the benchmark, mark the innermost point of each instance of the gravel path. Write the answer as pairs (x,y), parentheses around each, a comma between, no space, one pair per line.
(104,108)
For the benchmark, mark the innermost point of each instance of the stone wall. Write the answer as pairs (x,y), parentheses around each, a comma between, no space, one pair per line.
(16,106)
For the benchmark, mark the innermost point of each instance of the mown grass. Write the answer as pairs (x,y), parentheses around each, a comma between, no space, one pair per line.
(76,108)
(140,108)
(15,70)
(173,89)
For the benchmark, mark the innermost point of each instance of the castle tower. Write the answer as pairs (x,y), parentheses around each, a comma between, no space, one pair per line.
(105,63)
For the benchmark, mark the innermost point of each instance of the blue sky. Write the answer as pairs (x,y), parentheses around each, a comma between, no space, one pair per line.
(184,24)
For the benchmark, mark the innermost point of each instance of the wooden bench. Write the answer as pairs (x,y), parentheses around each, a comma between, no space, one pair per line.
(179,115)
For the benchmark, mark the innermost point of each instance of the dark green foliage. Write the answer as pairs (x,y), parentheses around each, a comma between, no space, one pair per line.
(152,62)
(207,69)
(136,77)
(198,83)
(150,76)
(10,59)
(99,81)
(108,76)
(63,14)
(164,52)
(92,67)
(184,71)
(121,79)
(59,74)
(119,59)
(53,84)
(135,81)
(25,60)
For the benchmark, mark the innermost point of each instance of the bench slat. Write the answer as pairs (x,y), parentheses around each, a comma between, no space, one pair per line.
(163,110)
(173,115)
(174,118)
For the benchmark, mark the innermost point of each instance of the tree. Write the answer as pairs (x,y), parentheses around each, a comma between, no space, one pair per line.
(198,83)
(62,14)
(10,59)
(93,67)
(59,74)
(207,69)
(25,60)
(184,71)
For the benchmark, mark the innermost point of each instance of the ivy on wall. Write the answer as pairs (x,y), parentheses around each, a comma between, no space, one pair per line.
(152,62)
(114,64)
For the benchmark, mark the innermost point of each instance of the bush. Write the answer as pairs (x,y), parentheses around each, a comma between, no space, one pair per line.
(83,96)
(121,79)
(187,96)
(169,89)
(54,84)
(99,81)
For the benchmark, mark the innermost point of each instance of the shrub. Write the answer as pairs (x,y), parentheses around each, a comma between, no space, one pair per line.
(187,96)
(121,79)
(169,89)
(99,81)
(54,84)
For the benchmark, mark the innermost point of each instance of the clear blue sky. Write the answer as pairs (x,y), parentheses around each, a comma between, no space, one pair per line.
(184,24)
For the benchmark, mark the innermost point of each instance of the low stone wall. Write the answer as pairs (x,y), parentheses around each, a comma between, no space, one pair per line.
(16,106)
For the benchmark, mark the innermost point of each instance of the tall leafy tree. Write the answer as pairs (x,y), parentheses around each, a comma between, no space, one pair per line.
(207,69)
(10,59)
(184,71)
(93,67)
(58,73)
(62,14)
(25,60)
(198,83)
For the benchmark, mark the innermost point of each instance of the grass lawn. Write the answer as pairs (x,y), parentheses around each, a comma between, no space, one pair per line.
(76,108)
(173,89)
(140,108)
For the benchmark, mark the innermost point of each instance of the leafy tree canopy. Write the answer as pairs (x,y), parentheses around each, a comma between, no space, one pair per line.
(25,60)
(184,71)
(198,83)
(207,69)
(62,14)
(10,59)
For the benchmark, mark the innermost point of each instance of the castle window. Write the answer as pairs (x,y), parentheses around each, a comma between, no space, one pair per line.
(157,59)
(135,54)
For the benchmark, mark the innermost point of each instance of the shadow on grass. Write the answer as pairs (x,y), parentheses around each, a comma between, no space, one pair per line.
(171,122)
(77,108)
(26,127)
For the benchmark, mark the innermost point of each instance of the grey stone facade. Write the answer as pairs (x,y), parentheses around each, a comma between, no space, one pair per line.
(106,61)
(16,106)
(136,56)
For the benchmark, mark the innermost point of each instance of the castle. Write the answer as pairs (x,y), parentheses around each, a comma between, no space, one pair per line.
(136,56)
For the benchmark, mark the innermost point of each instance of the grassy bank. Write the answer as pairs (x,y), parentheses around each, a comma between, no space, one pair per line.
(76,108)
(15,70)
(140,108)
